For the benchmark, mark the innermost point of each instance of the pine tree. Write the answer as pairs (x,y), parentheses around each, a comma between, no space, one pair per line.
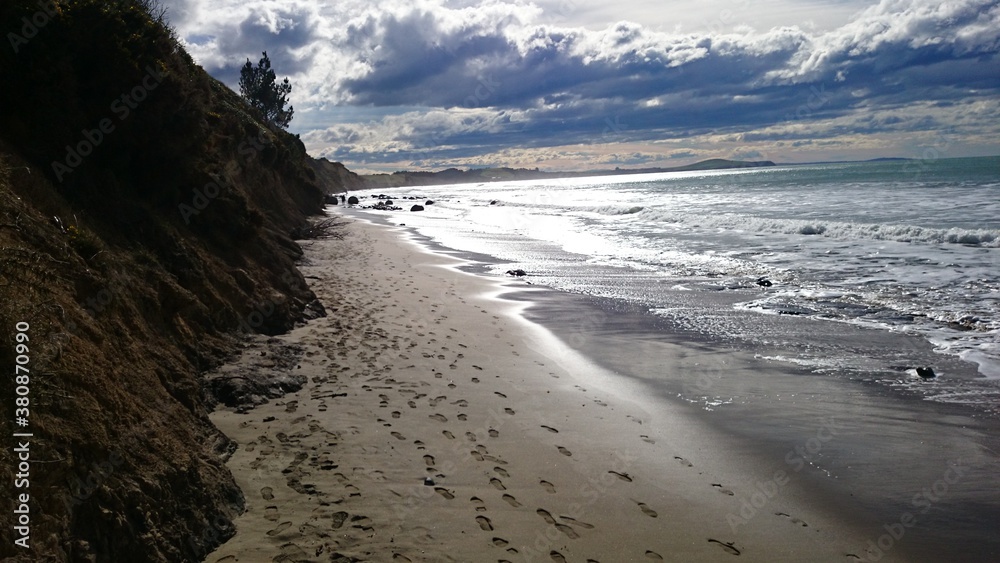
(259,88)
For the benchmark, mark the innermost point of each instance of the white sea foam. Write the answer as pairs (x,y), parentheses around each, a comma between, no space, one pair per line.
(865,244)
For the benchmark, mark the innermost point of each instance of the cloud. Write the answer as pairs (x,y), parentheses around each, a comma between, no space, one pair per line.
(477,77)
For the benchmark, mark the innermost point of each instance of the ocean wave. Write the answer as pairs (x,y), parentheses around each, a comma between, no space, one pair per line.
(832,229)
(615,209)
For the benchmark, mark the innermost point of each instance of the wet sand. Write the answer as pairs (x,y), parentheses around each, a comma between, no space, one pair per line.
(533,453)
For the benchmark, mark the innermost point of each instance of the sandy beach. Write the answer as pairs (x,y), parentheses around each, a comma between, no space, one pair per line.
(438,425)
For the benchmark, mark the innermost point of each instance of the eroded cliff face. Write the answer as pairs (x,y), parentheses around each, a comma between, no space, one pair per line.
(146,221)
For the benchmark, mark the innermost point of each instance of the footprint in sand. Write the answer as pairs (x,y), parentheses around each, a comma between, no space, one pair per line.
(564,451)
(792,519)
(411,404)
(267,493)
(502,472)
(550,429)
(500,542)
(362,523)
(511,501)
(338,519)
(477,456)
(557,557)
(497,484)
(508,410)
(291,552)
(728,547)
(429,460)
(398,436)
(653,555)
(484,523)
(683,461)
(647,510)
(546,515)
(576,522)
(396,414)
(401,558)
(494,433)
(448,434)
(271,513)
(463,417)
(475,380)
(623,476)
(499,394)
(462,403)
(479,504)
(279,528)
(477,367)
(570,532)
(549,487)
(444,492)
(723,490)
(439,417)
(470,436)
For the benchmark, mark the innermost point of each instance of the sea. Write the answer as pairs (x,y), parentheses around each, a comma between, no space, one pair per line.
(908,247)
(771,305)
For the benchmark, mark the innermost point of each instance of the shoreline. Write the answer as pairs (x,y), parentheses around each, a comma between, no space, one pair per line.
(584,464)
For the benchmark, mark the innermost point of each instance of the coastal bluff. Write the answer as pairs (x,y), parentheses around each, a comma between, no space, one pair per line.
(148,221)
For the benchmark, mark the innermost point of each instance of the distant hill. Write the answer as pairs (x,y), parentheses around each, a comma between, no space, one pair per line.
(477,175)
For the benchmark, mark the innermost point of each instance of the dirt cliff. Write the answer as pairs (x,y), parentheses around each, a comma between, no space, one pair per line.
(147,222)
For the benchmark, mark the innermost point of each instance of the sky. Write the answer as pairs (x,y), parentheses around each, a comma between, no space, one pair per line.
(386,85)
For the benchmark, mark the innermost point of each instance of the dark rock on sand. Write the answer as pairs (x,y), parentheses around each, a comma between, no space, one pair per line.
(429,202)
(417,208)
(352,200)
(764,282)
(313,310)
(517,273)
(926,373)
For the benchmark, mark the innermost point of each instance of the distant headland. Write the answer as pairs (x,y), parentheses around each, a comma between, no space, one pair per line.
(476,175)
